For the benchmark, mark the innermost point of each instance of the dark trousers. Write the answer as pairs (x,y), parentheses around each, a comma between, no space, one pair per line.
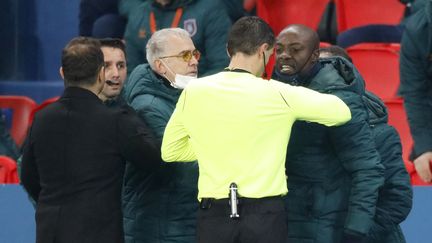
(261,221)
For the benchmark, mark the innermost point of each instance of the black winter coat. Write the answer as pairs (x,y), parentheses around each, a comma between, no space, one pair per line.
(73,165)
(395,197)
(333,173)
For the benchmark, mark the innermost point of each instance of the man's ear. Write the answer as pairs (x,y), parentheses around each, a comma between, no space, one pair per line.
(61,72)
(101,76)
(227,52)
(263,48)
(315,55)
(159,67)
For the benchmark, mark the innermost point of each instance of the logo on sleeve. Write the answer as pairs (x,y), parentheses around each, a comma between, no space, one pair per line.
(190,26)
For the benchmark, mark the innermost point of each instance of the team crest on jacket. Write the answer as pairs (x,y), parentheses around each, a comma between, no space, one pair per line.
(142,33)
(190,26)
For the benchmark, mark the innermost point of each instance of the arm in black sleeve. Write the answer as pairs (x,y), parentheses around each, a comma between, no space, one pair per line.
(138,145)
(29,172)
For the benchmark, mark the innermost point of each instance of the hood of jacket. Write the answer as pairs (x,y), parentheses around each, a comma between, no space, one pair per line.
(337,73)
(143,80)
(377,111)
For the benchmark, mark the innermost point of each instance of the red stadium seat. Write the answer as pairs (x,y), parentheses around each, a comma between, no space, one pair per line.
(355,13)
(280,13)
(22,107)
(8,171)
(378,63)
(398,119)
(415,180)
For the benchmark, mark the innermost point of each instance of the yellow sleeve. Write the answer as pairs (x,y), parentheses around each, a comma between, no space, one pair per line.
(176,146)
(310,105)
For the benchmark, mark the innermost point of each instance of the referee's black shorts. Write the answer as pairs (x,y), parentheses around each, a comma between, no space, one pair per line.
(261,220)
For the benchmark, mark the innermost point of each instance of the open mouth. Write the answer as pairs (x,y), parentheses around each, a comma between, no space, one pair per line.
(285,68)
(112,83)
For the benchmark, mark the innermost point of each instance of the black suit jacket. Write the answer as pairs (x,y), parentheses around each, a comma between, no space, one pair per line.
(73,165)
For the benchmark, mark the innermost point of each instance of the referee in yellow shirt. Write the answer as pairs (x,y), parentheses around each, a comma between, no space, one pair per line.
(237,125)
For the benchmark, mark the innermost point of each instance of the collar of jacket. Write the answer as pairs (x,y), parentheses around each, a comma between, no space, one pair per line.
(115,102)
(143,80)
(173,5)
(337,74)
(81,93)
(377,111)
(298,79)
(162,79)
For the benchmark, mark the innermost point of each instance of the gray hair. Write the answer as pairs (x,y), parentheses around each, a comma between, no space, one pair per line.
(158,43)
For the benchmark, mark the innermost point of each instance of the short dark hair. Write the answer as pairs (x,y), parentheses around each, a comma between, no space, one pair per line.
(248,34)
(114,43)
(82,60)
(336,51)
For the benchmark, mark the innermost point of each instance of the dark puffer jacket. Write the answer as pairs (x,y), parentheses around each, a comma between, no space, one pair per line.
(395,197)
(333,173)
(158,207)
(416,77)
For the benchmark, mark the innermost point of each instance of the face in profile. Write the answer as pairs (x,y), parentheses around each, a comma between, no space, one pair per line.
(115,72)
(293,53)
(180,57)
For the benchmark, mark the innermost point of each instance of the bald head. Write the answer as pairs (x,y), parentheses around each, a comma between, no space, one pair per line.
(307,35)
(297,49)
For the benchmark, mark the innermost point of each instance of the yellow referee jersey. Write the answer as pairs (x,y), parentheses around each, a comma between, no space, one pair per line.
(237,126)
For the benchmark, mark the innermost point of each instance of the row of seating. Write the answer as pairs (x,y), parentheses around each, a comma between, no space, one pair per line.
(349,13)
(352,13)
(378,64)
(23,110)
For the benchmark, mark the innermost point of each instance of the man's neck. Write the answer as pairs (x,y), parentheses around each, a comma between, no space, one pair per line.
(246,62)
(95,89)
(103,97)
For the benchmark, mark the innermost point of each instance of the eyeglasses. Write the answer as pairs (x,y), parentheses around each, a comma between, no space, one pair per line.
(186,55)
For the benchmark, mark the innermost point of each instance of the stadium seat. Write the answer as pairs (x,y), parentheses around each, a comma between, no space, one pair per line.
(378,63)
(21,109)
(415,180)
(398,119)
(278,14)
(354,13)
(8,171)
(376,33)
